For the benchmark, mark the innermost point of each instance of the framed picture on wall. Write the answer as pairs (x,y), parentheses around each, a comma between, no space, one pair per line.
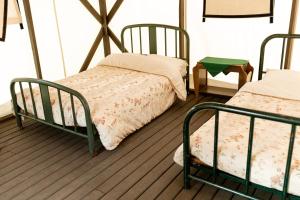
(238,9)
(9,14)
(3,18)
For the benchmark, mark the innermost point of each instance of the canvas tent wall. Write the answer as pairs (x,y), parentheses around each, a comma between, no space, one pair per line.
(217,37)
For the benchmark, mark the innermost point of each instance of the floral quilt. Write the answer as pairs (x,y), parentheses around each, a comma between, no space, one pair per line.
(120,100)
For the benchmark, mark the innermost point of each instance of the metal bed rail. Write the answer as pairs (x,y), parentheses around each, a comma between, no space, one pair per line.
(284,38)
(88,133)
(217,107)
(181,37)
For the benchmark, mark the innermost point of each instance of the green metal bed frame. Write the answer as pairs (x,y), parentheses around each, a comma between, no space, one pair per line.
(253,115)
(90,132)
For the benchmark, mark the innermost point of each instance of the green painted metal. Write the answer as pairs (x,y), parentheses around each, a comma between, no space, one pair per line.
(46,103)
(263,48)
(152,40)
(23,98)
(152,31)
(294,122)
(61,108)
(131,40)
(249,154)
(141,43)
(89,132)
(32,101)
(216,140)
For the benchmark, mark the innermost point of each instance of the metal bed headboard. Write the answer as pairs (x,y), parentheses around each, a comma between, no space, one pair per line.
(284,37)
(181,37)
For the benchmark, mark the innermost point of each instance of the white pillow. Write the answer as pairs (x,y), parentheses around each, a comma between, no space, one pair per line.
(176,62)
(282,76)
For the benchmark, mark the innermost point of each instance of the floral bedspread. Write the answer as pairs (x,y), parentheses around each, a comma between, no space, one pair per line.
(270,144)
(121,101)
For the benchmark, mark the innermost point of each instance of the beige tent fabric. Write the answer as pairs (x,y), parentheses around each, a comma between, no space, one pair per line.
(237,7)
(13,14)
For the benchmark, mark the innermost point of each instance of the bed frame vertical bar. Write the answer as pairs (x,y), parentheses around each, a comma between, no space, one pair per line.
(166,42)
(216,138)
(15,105)
(33,101)
(131,40)
(73,112)
(141,44)
(152,40)
(186,150)
(176,44)
(289,162)
(282,53)
(23,98)
(46,103)
(249,154)
(61,108)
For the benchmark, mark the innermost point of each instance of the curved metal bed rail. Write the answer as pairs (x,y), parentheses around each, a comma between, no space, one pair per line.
(263,47)
(181,49)
(253,114)
(90,133)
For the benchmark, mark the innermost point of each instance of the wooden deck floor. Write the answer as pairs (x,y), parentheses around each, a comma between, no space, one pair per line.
(40,162)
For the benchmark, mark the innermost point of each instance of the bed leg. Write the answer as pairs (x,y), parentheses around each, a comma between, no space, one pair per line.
(187,179)
(18,119)
(94,145)
(19,122)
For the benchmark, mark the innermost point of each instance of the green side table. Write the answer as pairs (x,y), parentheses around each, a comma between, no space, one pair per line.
(214,66)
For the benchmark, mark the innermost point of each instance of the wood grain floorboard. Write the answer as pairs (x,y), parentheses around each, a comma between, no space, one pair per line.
(39,162)
(115,167)
(83,174)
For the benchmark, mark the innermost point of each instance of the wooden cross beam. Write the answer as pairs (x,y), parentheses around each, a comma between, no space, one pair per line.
(105,32)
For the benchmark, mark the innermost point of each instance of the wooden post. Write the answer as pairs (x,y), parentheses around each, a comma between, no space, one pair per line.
(103,13)
(182,24)
(34,47)
(105,33)
(292,29)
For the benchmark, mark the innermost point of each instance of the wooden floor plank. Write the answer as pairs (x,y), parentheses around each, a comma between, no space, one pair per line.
(262,195)
(109,171)
(241,188)
(19,142)
(14,133)
(41,179)
(209,192)
(13,128)
(106,158)
(144,183)
(39,162)
(194,123)
(192,192)
(29,154)
(43,157)
(159,185)
(94,195)
(172,190)
(21,182)
(222,194)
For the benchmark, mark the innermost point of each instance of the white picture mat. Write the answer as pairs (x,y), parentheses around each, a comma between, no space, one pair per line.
(237,7)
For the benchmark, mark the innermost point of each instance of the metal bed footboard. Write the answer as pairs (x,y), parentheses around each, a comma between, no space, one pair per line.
(217,107)
(89,133)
